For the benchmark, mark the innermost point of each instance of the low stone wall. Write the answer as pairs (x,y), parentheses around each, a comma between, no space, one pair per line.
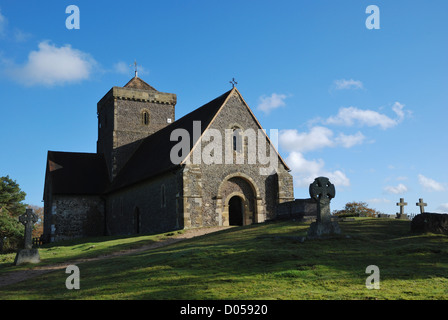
(302,209)
(430,222)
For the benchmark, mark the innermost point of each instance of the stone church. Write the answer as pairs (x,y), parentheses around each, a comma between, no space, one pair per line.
(131,185)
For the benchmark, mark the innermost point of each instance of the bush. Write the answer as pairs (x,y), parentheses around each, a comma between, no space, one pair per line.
(356,209)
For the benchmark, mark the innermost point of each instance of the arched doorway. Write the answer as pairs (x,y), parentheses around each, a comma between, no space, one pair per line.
(239,185)
(236,211)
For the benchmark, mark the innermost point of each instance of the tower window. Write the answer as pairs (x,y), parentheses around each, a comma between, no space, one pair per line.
(145,118)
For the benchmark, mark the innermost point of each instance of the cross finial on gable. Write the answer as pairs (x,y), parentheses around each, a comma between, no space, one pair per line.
(233,82)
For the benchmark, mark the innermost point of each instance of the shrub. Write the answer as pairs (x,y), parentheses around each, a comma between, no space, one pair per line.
(356,209)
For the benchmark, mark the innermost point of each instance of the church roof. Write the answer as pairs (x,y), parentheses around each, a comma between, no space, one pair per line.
(76,173)
(153,155)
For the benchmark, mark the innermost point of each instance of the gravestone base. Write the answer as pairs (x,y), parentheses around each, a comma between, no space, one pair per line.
(402,217)
(320,230)
(27,256)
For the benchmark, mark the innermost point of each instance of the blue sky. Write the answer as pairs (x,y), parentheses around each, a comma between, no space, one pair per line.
(365,107)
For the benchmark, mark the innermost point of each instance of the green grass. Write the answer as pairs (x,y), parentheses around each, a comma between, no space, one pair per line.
(255,262)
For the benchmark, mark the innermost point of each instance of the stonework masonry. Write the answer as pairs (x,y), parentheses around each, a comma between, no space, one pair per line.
(77,217)
(141,209)
(120,122)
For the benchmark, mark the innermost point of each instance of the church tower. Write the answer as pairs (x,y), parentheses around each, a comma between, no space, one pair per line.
(128,114)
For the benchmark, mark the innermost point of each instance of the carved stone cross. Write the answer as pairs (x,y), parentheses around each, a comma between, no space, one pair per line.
(422,205)
(28,219)
(322,190)
(401,204)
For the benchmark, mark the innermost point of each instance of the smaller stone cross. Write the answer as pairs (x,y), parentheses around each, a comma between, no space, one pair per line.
(422,205)
(401,204)
(233,82)
(28,219)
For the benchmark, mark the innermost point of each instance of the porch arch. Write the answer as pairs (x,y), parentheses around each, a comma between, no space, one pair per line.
(253,209)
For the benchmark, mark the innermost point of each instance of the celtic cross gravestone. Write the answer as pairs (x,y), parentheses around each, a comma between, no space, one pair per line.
(322,191)
(28,219)
(28,255)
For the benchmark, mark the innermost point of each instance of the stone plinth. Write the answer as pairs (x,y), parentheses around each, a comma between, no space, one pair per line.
(319,230)
(27,256)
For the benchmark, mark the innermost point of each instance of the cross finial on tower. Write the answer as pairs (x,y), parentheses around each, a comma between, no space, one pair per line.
(135,68)
(233,82)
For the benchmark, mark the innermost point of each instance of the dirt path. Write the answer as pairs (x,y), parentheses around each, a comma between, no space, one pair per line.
(18,276)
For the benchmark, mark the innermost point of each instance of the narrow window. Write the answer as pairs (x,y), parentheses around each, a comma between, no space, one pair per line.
(162,196)
(237,143)
(145,118)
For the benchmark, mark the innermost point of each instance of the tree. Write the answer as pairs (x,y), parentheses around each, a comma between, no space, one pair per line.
(11,197)
(356,209)
(11,232)
(11,206)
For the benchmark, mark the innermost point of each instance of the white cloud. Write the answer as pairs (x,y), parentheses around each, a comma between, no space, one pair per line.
(344,84)
(430,184)
(50,65)
(398,109)
(348,117)
(267,104)
(317,138)
(443,208)
(400,189)
(348,141)
(305,171)
(352,115)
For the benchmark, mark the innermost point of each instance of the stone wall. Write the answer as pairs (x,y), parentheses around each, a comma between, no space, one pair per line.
(143,208)
(76,216)
(298,209)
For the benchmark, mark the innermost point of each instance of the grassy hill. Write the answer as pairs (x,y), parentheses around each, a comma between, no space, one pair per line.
(263,261)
